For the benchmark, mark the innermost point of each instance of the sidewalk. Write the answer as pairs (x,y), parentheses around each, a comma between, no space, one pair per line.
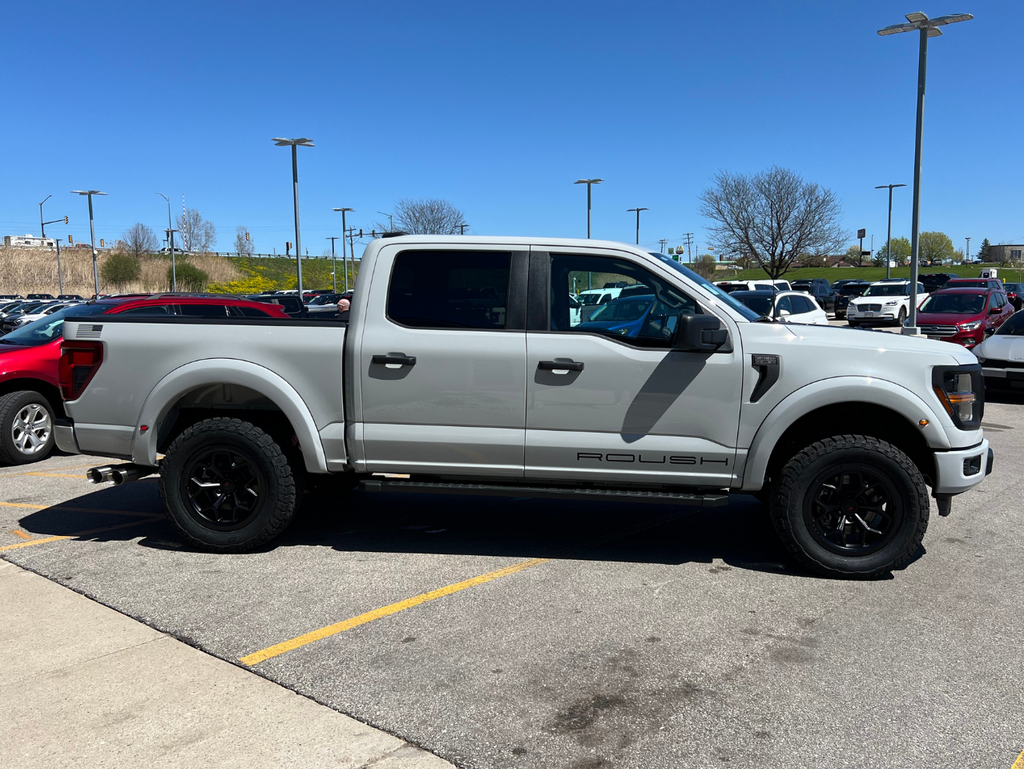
(84,686)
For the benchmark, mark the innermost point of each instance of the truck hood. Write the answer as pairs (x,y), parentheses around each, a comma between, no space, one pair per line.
(844,337)
(1002,347)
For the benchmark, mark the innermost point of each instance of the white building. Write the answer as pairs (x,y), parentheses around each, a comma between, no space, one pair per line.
(28,241)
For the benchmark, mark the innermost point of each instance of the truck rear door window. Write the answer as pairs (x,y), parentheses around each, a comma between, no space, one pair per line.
(431,289)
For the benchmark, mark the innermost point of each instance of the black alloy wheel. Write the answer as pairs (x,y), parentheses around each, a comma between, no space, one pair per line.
(853,510)
(224,488)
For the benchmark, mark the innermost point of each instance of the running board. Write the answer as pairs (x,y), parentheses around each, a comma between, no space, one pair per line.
(716,499)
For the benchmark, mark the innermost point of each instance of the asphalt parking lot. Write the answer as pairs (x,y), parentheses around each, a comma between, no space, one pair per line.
(525,633)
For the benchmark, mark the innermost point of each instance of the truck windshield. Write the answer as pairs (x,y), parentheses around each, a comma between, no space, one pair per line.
(51,327)
(887,289)
(956,304)
(711,288)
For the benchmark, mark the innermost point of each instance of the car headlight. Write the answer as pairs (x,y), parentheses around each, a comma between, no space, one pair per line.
(960,391)
(969,326)
(892,302)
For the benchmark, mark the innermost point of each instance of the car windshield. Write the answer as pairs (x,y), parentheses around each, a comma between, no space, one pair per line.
(968,284)
(589,300)
(711,288)
(955,304)
(762,305)
(50,327)
(1013,327)
(888,289)
(621,310)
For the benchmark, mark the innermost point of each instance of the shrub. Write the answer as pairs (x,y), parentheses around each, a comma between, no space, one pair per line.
(119,269)
(190,277)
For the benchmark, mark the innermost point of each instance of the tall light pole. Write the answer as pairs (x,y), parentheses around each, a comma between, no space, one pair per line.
(170,234)
(927,28)
(294,144)
(60,275)
(589,183)
(888,238)
(391,221)
(967,253)
(638,210)
(462,228)
(92,235)
(334,262)
(343,231)
(42,224)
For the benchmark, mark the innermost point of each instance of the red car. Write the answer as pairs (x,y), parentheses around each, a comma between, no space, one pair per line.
(963,315)
(29,390)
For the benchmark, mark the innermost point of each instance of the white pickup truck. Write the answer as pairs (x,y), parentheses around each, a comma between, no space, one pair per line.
(460,368)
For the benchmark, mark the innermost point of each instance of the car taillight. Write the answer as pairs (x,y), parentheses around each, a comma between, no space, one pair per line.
(79,362)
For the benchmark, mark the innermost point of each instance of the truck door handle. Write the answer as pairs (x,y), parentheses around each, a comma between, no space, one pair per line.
(560,365)
(394,359)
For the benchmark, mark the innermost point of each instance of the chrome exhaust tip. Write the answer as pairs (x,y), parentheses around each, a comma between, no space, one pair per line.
(122,474)
(99,474)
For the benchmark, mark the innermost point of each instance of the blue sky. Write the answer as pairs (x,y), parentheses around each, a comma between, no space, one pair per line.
(499,107)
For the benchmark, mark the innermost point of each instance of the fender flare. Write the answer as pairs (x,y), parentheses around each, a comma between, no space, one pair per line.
(831,392)
(203,373)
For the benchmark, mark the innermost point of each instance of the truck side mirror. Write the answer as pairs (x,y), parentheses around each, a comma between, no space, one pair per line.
(699,333)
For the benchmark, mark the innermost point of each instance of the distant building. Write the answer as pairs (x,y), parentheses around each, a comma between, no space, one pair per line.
(1004,253)
(28,241)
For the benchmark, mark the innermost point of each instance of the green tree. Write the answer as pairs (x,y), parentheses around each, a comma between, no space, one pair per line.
(985,252)
(704,265)
(900,253)
(190,277)
(935,247)
(119,269)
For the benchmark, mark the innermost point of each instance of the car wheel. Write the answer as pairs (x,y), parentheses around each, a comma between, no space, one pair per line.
(227,486)
(853,323)
(26,421)
(902,317)
(851,506)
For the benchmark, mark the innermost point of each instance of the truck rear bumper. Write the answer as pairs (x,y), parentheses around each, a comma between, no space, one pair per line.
(960,470)
(64,436)
(101,440)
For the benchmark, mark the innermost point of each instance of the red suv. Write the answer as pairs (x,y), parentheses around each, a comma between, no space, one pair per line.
(29,388)
(963,315)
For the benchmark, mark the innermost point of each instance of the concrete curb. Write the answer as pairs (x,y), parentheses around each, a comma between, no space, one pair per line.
(85,686)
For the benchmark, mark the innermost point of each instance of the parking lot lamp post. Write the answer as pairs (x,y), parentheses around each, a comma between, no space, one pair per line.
(967,251)
(295,144)
(92,236)
(927,28)
(638,210)
(391,220)
(888,239)
(343,231)
(589,183)
(170,234)
(334,262)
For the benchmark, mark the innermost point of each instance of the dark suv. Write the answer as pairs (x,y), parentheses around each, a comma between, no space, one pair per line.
(818,288)
(841,298)
(933,281)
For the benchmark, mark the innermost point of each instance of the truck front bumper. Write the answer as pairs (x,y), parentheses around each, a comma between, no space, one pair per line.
(960,470)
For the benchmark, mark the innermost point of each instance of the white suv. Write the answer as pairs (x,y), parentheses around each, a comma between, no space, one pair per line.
(883,302)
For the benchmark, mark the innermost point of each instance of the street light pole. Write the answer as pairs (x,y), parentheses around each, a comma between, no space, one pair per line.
(589,183)
(295,144)
(334,262)
(60,275)
(638,210)
(888,238)
(92,236)
(42,224)
(343,232)
(967,253)
(927,28)
(170,235)
(391,221)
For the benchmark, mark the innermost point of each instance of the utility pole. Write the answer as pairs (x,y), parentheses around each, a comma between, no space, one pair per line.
(334,263)
(60,276)
(638,210)
(352,250)
(688,236)
(664,242)
(344,230)
(174,269)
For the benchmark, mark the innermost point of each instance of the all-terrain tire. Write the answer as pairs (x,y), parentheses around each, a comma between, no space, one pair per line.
(26,427)
(807,488)
(236,460)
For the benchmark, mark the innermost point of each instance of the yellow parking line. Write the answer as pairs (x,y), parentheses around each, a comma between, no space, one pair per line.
(88,533)
(58,475)
(32,542)
(20,533)
(370,616)
(1019,763)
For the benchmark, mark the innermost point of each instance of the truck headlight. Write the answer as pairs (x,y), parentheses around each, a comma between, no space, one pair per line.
(960,391)
(969,326)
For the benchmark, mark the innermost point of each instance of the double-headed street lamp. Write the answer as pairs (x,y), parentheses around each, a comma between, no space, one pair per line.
(638,210)
(344,234)
(294,143)
(928,28)
(888,239)
(170,234)
(92,235)
(589,183)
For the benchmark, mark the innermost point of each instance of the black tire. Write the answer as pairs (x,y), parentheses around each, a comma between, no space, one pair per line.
(26,424)
(227,486)
(853,323)
(835,480)
(902,317)
(840,315)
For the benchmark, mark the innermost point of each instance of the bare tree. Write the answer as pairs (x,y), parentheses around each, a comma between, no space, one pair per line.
(774,216)
(197,234)
(138,240)
(243,245)
(429,216)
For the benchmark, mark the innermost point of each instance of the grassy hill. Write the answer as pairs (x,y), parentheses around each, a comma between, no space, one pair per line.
(269,273)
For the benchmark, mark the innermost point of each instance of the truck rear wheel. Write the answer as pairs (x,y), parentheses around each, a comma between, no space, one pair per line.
(227,486)
(851,506)
(26,422)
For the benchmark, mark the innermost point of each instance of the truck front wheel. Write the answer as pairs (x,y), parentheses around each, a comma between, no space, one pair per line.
(851,506)
(227,486)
